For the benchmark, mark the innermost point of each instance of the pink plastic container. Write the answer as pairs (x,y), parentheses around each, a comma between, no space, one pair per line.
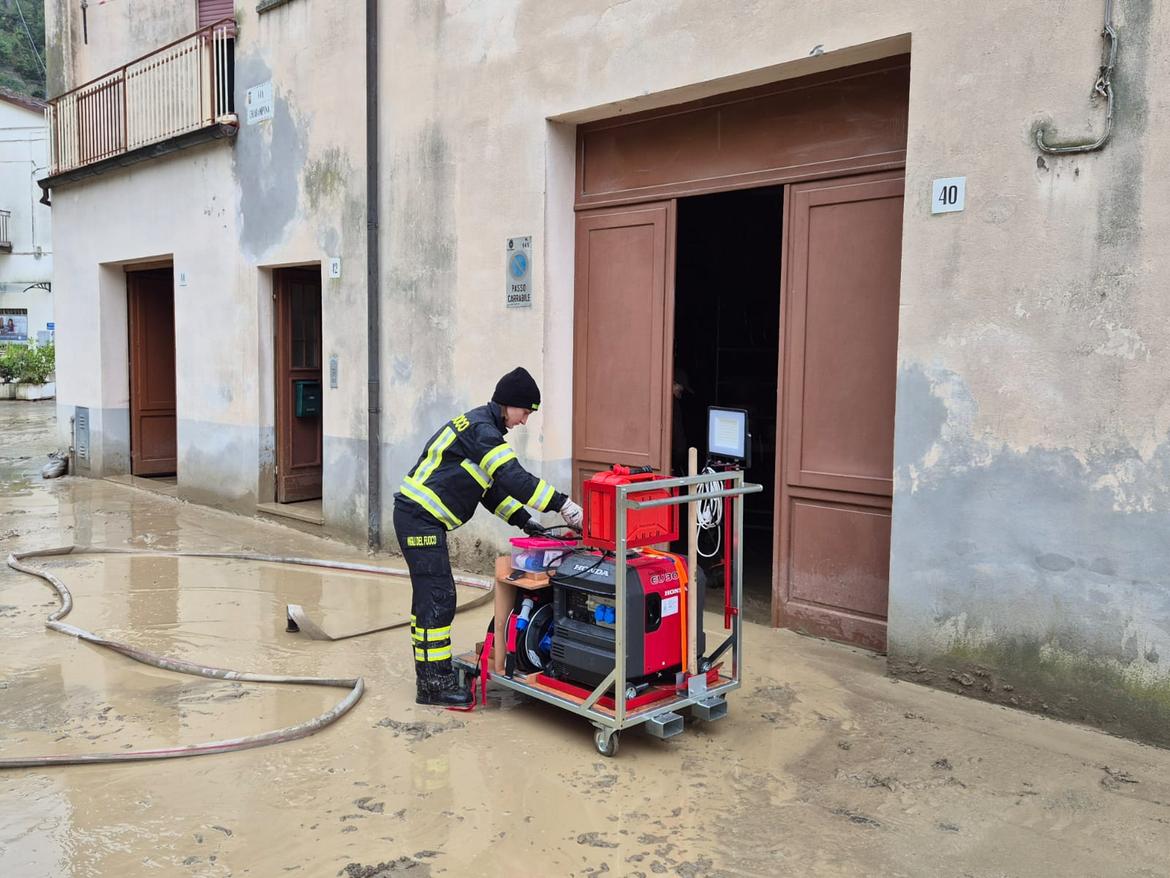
(539,554)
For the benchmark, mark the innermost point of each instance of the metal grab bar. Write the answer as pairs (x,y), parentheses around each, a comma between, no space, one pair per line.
(748,488)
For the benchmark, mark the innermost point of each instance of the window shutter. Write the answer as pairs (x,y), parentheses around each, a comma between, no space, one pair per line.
(211,11)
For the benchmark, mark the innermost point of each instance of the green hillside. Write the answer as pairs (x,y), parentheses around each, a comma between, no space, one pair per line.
(20,70)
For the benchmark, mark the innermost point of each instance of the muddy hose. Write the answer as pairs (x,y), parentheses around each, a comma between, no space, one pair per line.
(356,685)
(299,621)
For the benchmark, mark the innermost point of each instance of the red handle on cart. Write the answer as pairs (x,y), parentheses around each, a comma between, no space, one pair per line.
(728,609)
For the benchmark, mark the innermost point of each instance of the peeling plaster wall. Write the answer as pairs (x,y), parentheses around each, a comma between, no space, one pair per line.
(302,199)
(287,191)
(480,106)
(1032,463)
(118,32)
(1031,511)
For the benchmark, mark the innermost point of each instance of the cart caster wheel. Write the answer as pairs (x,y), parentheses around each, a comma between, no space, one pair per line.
(631,693)
(607,742)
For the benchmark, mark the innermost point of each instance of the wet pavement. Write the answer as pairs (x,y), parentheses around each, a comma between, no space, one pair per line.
(824,766)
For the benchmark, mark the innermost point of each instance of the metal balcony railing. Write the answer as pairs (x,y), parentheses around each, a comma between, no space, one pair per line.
(182,87)
(5,241)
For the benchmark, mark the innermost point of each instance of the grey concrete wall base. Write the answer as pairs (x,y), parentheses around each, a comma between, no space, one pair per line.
(344,494)
(1035,577)
(109,442)
(218,464)
(1018,673)
(266,472)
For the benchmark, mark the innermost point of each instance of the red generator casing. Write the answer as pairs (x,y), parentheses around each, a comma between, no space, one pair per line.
(584,619)
(644,527)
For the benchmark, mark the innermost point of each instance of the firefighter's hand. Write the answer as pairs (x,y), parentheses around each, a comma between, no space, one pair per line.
(533,528)
(573,515)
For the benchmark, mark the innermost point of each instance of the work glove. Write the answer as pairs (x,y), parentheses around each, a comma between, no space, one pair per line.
(533,528)
(573,515)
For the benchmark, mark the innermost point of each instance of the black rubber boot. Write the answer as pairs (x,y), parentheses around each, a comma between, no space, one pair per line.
(438,685)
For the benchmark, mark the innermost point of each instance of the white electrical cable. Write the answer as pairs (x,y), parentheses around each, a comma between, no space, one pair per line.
(710,514)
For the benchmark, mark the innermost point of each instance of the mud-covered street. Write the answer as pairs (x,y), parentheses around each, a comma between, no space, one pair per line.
(824,766)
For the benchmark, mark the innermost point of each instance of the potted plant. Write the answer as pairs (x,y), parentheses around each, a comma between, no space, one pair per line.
(7,372)
(27,371)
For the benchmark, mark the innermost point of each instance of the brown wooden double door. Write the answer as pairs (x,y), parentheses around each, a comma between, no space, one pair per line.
(835,400)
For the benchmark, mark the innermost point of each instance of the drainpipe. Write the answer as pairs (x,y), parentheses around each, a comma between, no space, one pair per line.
(373,289)
(1103,87)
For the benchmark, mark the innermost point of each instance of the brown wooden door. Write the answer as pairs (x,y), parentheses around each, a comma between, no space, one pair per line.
(151,307)
(835,463)
(622,343)
(298,358)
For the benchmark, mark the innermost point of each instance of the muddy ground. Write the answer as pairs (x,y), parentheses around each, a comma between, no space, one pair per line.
(824,766)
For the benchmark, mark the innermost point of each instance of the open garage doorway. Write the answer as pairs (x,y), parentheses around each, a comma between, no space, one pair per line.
(726,349)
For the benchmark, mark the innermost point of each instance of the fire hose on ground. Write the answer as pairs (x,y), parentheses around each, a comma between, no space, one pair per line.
(355,685)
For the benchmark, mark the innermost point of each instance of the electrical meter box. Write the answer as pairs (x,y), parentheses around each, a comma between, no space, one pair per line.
(308,399)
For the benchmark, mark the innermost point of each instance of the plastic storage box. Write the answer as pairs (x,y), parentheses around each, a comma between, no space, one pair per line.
(539,554)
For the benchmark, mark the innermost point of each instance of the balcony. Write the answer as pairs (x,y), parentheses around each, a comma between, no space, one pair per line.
(5,241)
(174,97)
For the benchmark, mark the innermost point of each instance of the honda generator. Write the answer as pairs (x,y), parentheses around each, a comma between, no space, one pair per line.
(584,618)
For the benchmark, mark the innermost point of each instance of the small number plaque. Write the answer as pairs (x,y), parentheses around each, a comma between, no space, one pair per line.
(948,195)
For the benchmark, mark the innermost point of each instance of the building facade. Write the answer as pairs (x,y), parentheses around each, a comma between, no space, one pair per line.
(951,343)
(26,250)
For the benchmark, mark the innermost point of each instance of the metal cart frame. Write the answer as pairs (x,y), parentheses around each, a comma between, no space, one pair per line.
(708,702)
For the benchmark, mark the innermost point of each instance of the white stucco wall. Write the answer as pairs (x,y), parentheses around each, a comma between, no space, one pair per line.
(22,160)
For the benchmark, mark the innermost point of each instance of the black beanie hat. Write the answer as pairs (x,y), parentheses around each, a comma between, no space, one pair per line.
(517,389)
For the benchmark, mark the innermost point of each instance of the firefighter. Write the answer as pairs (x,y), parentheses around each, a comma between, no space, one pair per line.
(467,462)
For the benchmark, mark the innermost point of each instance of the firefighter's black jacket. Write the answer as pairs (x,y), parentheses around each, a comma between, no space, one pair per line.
(468,462)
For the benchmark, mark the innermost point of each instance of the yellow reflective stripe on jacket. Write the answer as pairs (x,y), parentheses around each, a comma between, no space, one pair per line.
(429,500)
(434,455)
(496,458)
(432,655)
(479,475)
(508,507)
(542,496)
